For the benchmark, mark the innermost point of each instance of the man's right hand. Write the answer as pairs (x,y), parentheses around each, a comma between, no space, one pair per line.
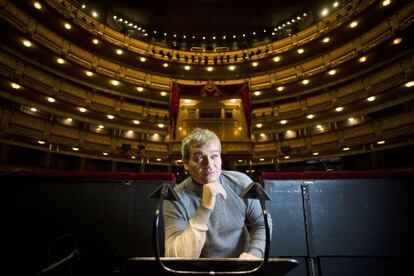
(210,191)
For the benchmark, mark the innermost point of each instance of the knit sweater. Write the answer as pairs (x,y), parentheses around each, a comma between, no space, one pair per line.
(234,226)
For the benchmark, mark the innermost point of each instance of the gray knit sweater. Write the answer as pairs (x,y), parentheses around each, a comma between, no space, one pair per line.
(234,226)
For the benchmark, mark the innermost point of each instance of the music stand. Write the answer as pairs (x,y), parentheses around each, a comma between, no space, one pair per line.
(204,266)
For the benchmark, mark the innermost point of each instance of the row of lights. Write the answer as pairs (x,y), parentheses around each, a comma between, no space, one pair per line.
(145,32)
(380,142)
(291,134)
(41,142)
(408,84)
(81,109)
(88,73)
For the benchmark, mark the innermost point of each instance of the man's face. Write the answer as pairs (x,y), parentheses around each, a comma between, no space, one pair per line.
(204,164)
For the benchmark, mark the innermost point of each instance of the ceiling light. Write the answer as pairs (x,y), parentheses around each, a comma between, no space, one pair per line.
(283,122)
(339,109)
(257,93)
(259,125)
(409,84)
(104,153)
(60,60)
(345,148)
(41,142)
(371,99)
(94,14)
(276,59)
(332,72)
(33,109)
(362,59)
(115,82)
(89,73)
(101,127)
(286,157)
(142,59)
(51,100)
(75,149)
(315,153)
(324,12)
(386,3)
(305,81)
(119,51)
(280,88)
(301,51)
(254,64)
(261,159)
(232,67)
(68,26)
(82,109)
(136,122)
(15,85)
(37,5)
(163,93)
(353,24)
(351,119)
(27,43)
(210,69)
(161,125)
(326,40)
(187,101)
(165,65)
(140,89)
(95,41)
(397,40)
(381,142)
(187,67)
(110,117)
(335,4)
(310,116)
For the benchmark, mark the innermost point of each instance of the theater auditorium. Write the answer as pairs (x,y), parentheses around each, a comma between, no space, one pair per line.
(313,100)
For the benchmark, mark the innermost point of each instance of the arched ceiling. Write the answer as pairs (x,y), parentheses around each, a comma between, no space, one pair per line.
(183,24)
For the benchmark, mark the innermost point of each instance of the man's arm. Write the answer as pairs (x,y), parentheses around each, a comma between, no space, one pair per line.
(256,227)
(184,239)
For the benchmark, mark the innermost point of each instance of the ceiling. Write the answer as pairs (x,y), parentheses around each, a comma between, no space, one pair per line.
(191,20)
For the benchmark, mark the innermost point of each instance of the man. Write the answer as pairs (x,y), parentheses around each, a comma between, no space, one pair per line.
(211,219)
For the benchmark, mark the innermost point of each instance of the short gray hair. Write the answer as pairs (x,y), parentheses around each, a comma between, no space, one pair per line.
(198,136)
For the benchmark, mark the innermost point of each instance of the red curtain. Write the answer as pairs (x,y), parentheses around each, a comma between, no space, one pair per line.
(174,105)
(245,95)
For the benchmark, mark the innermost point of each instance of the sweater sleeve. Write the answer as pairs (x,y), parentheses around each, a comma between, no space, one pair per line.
(184,239)
(256,227)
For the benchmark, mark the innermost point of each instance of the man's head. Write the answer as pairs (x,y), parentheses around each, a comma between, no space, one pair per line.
(201,151)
